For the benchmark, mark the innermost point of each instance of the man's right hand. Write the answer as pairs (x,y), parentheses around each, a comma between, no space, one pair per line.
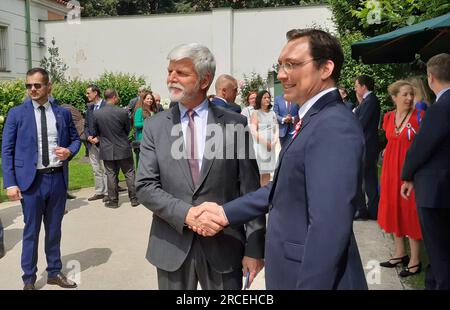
(206,219)
(14,194)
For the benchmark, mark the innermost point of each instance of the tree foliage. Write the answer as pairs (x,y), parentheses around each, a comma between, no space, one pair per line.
(54,64)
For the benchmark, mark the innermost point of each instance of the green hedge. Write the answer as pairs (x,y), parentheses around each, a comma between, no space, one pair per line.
(12,93)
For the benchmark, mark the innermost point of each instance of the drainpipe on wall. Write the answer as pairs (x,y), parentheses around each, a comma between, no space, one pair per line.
(28,33)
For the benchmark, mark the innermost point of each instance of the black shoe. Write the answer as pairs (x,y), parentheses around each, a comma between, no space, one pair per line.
(61,281)
(112,204)
(121,189)
(361,215)
(69,196)
(105,199)
(2,250)
(403,260)
(29,287)
(406,271)
(134,203)
(96,197)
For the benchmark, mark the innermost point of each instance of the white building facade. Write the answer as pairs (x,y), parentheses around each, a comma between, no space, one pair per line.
(243,41)
(14,46)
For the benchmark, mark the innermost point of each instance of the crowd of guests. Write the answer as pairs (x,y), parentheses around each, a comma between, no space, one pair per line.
(314,124)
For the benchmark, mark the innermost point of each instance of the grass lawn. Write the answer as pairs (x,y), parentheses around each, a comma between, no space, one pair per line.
(80,174)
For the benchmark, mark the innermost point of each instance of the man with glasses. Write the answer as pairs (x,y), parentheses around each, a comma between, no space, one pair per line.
(312,199)
(39,139)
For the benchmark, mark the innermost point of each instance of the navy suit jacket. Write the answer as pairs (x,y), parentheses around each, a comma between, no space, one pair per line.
(311,202)
(89,120)
(221,103)
(279,107)
(368,113)
(428,158)
(20,145)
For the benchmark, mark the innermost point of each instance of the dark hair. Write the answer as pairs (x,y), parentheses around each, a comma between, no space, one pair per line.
(259,99)
(42,71)
(95,88)
(146,111)
(367,81)
(439,66)
(110,93)
(322,46)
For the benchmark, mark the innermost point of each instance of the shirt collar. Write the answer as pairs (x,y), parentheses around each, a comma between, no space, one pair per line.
(37,105)
(200,109)
(367,94)
(310,102)
(441,93)
(218,97)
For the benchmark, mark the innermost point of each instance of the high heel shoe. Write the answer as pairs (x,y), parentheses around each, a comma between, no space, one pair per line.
(406,271)
(403,260)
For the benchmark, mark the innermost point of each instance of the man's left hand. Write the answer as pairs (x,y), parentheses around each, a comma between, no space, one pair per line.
(62,153)
(253,266)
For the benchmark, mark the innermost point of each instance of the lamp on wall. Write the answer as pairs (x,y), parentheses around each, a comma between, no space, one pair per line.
(41,42)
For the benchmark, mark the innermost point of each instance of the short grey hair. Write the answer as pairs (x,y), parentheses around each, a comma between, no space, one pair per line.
(200,55)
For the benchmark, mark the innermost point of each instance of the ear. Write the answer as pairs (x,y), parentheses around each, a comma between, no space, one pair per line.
(326,69)
(204,84)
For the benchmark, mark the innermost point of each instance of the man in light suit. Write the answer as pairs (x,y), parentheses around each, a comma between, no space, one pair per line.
(178,170)
(226,91)
(368,112)
(427,169)
(39,139)
(112,127)
(312,199)
(287,116)
(98,167)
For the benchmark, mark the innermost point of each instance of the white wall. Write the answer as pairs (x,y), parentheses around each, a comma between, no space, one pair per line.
(12,15)
(241,40)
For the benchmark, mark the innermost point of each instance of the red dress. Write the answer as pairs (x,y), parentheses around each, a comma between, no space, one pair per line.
(395,214)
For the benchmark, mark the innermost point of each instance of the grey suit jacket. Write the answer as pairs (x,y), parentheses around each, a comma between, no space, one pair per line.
(112,126)
(164,186)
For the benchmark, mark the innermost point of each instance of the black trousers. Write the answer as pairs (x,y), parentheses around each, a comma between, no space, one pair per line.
(435,224)
(370,188)
(2,246)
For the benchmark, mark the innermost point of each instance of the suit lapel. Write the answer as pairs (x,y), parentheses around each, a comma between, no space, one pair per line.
(59,121)
(30,120)
(214,117)
(174,119)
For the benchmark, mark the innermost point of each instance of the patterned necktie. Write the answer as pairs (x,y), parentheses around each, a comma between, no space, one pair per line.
(297,128)
(191,147)
(45,159)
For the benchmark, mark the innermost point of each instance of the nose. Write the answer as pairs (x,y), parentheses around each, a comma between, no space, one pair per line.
(281,76)
(172,77)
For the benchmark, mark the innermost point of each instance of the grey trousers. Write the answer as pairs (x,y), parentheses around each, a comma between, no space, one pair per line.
(196,269)
(112,172)
(99,170)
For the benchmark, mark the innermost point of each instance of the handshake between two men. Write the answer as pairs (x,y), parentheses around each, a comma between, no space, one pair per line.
(206,219)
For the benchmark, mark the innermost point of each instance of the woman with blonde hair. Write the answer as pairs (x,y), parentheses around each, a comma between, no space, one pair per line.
(397,215)
(421,95)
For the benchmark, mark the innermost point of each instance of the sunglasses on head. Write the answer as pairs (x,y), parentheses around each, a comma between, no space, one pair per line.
(36,85)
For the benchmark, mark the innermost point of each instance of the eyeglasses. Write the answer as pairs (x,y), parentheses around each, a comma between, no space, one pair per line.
(289,66)
(36,85)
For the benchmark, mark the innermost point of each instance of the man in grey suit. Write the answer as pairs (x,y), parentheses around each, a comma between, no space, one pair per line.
(112,126)
(178,170)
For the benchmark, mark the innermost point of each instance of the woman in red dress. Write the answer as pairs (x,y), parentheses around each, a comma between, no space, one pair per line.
(395,214)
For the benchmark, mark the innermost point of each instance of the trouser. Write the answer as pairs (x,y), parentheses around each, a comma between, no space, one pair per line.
(112,171)
(196,269)
(370,186)
(44,201)
(99,170)
(435,224)
(2,246)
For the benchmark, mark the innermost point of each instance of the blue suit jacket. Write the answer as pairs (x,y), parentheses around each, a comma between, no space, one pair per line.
(309,240)
(233,107)
(368,113)
(279,107)
(89,120)
(428,157)
(20,145)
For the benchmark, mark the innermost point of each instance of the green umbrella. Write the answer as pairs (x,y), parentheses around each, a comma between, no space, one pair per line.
(426,38)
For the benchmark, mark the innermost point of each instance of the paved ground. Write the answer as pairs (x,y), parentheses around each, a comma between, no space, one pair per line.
(108,247)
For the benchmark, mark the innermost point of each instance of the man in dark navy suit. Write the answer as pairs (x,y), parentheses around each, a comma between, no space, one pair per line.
(287,117)
(39,139)
(226,92)
(312,199)
(427,169)
(368,113)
